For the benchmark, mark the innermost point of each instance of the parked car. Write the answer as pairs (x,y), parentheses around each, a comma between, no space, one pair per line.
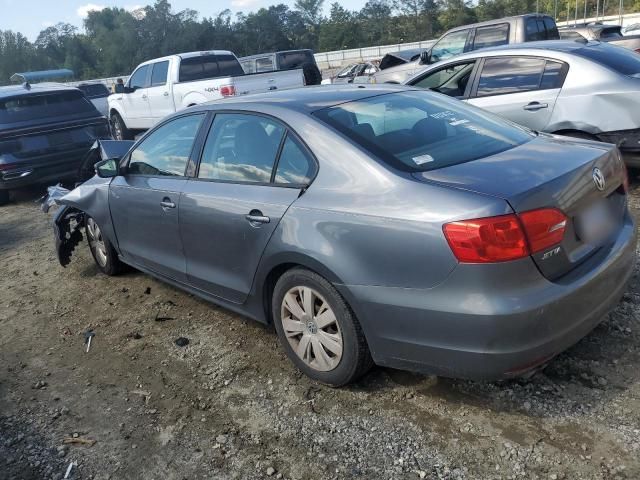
(353,73)
(604,33)
(631,29)
(417,253)
(285,60)
(165,85)
(97,93)
(45,131)
(584,90)
(519,29)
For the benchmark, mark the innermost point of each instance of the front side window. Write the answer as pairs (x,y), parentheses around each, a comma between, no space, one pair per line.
(502,75)
(166,151)
(451,80)
(159,73)
(241,148)
(419,131)
(139,78)
(449,45)
(491,36)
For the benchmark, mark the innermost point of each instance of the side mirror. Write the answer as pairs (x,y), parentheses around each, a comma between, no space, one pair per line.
(120,88)
(425,57)
(107,168)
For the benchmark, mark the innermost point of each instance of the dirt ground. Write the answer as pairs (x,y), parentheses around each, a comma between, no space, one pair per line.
(229,405)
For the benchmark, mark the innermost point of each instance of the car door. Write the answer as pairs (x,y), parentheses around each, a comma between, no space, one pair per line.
(144,200)
(135,102)
(522,89)
(158,93)
(251,170)
(452,79)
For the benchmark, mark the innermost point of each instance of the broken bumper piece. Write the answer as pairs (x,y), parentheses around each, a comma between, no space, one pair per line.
(67,225)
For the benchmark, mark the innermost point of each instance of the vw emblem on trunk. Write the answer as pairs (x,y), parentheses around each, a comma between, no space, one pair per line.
(598,179)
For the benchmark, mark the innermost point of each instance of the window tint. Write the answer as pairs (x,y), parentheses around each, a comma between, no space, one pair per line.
(621,60)
(510,75)
(294,165)
(38,106)
(451,80)
(449,45)
(94,90)
(159,73)
(533,33)
(552,29)
(166,150)
(209,66)
(491,36)
(139,77)
(553,76)
(264,64)
(241,148)
(291,60)
(419,131)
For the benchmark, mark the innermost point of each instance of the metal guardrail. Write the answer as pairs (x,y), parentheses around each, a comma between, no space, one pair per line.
(336,59)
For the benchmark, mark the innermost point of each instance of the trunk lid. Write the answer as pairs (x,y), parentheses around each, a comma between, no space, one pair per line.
(550,172)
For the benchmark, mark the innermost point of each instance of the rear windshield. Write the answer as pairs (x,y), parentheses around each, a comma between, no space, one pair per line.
(621,60)
(37,106)
(291,60)
(209,66)
(420,131)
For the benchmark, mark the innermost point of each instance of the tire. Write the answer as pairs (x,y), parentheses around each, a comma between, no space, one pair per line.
(347,356)
(4,197)
(101,249)
(118,128)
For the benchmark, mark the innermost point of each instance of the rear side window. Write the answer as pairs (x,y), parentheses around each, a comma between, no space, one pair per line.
(209,66)
(618,59)
(166,151)
(294,165)
(264,64)
(46,105)
(553,76)
(418,131)
(159,73)
(491,36)
(292,60)
(510,75)
(552,29)
(139,78)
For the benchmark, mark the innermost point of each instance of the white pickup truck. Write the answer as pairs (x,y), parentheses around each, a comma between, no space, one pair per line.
(159,87)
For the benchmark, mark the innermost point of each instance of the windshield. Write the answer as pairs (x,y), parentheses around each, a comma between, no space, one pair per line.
(419,131)
(39,106)
(618,59)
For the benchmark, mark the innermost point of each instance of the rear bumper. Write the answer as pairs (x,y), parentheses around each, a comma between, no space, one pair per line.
(628,141)
(492,321)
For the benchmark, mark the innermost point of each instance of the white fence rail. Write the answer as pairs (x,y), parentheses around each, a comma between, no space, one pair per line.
(330,60)
(624,20)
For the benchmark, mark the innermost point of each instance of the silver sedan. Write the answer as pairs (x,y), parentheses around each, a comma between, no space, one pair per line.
(583,90)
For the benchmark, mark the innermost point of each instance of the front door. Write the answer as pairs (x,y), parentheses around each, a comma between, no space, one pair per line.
(145,201)
(230,210)
(522,89)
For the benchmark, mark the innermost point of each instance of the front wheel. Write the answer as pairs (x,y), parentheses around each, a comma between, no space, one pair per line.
(317,329)
(102,251)
(119,129)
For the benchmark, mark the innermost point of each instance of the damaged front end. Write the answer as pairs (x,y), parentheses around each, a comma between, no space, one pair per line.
(67,225)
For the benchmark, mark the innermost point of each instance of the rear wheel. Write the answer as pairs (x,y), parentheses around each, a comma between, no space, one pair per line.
(119,129)
(317,329)
(102,251)
(4,197)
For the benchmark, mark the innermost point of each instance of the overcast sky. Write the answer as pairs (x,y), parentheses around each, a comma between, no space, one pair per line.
(31,16)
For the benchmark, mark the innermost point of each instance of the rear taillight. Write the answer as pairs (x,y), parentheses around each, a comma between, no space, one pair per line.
(544,228)
(506,237)
(228,90)
(487,240)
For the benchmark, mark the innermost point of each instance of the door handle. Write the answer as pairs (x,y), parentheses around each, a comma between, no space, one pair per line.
(166,94)
(533,106)
(256,218)
(273,88)
(144,97)
(167,203)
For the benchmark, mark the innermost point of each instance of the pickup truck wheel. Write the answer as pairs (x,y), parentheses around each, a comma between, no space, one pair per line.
(102,251)
(4,197)
(119,129)
(318,330)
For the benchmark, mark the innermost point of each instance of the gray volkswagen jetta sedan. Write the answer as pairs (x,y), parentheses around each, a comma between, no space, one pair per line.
(378,224)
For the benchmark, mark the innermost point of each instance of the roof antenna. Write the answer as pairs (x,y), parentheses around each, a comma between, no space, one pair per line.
(26,85)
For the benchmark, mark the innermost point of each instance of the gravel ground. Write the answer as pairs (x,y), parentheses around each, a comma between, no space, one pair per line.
(230,405)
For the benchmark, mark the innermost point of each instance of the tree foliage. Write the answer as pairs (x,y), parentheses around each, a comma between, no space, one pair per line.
(115,40)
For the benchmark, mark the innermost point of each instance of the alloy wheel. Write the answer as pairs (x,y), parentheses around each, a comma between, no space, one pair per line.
(96,242)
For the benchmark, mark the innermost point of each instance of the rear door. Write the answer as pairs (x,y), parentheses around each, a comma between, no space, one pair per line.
(159,91)
(136,102)
(522,89)
(252,168)
(144,202)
